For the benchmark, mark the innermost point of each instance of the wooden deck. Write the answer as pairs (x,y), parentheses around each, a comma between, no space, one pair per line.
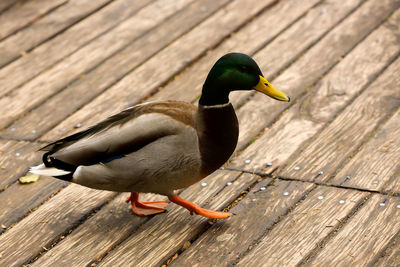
(314,182)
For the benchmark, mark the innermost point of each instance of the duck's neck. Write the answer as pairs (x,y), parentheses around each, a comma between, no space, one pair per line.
(218,132)
(213,93)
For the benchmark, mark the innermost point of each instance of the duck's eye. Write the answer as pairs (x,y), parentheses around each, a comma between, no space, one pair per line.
(244,68)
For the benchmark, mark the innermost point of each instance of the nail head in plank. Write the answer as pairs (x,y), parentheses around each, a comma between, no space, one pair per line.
(364,235)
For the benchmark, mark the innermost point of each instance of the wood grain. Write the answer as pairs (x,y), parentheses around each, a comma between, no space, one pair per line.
(166,233)
(256,213)
(15,160)
(264,28)
(377,162)
(329,96)
(53,80)
(19,16)
(51,52)
(60,19)
(162,66)
(312,65)
(364,236)
(41,228)
(6,4)
(100,233)
(53,110)
(303,228)
(20,199)
(391,256)
(349,129)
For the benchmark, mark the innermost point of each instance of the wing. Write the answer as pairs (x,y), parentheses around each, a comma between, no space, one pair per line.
(123,133)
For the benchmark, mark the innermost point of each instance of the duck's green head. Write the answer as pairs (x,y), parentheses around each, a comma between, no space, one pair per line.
(232,72)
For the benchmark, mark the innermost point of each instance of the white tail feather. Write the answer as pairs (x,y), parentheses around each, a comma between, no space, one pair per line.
(43,170)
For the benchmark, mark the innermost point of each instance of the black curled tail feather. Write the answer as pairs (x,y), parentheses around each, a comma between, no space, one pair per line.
(51,162)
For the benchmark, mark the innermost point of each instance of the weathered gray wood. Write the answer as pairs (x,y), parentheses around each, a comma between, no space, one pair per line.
(53,110)
(15,160)
(47,54)
(19,199)
(377,162)
(173,229)
(364,235)
(327,98)
(94,238)
(187,85)
(41,228)
(162,66)
(349,129)
(256,213)
(19,16)
(53,80)
(60,19)
(305,72)
(303,228)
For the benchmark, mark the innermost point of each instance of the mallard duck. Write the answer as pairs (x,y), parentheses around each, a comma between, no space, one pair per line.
(160,147)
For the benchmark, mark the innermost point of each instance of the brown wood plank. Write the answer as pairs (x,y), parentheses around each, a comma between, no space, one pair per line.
(256,213)
(53,110)
(49,53)
(303,228)
(266,26)
(93,239)
(312,112)
(156,230)
(19,16)
(364,235)
(162,66)
(377,162)
(306,71)
(336,142)
(41,228)
(68,70)
(15,160)
(60,19)
(19,199)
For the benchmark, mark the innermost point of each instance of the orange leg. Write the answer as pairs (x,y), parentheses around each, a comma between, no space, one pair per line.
(193,208)
(145,208)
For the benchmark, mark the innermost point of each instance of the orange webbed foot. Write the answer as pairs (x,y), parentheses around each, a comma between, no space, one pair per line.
(193,208)
(145,208)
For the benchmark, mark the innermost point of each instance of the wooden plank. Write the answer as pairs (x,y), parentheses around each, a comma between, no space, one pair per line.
(304,228)
(47,54)
(63,17)
(256,213)
(41,228)
(15,161)
(162,66)
(336,142)
(109,229)
(20,16)
(94,238)
(53,110)
(68,70)
(391,256)
(364,236)
(20,199)
(266,26)
(373,167)
(312,112)
(313,64)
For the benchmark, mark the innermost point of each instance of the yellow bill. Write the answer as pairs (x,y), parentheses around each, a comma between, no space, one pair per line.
(265,87)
